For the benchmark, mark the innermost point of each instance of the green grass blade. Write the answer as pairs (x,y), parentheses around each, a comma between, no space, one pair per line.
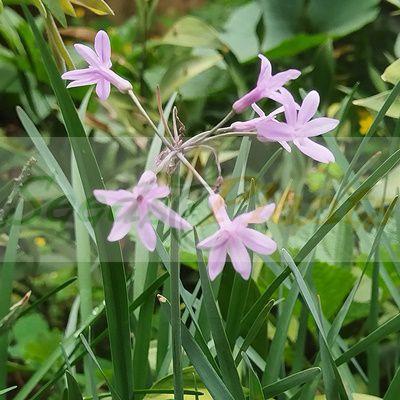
(175,295)
(110,257)
(255,388)
(313,308)
(254,329)
(394,388)
(291,381)
(207,373)
(6,284)
(372,323)
(224,353)
(53,166)
(276,352)
(341,315)
(389,327)
(7,390)
(74,392)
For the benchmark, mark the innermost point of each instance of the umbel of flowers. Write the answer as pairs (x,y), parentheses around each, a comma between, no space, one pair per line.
(234,236)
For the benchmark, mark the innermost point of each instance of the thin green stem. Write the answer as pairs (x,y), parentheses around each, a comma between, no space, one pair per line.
(175,296)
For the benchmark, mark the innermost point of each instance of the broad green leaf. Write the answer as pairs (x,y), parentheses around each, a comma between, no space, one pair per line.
(341,17)
(192,32)
(110,257)
(239,32)
(295,45)
(99,7)
(54,6)
(376,102)
(392,72)
(181,72)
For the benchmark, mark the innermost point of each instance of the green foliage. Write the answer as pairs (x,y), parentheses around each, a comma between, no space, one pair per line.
(334,321)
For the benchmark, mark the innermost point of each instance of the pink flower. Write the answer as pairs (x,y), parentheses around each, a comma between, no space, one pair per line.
(234,236)
(267,85)
(99,72)
(299,127)
(136,205)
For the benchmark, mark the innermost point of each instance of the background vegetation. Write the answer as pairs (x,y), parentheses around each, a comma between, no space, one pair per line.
(340,222)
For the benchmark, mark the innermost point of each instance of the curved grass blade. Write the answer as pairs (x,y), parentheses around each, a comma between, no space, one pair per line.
(73,392)
(110,256)
(255,388)
(254,329)
(207,373)
(7,390)
(389,327)
(53,166)
(313,308)
(6,283)
(291,381)
(224,352)
(394,387)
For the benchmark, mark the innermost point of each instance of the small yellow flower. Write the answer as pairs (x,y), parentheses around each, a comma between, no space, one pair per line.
(365,121)
(40,241)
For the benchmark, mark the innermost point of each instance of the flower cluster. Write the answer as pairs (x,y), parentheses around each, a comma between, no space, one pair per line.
(234,237)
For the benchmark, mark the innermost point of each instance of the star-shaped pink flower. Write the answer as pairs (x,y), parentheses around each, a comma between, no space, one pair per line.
(299,127)
(267,85)
(234,237)
(99,72)
(136,207)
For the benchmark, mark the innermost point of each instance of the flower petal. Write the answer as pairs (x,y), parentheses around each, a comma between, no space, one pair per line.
(120,83)
(245,126)
(218,207)
(216,261)
(168,216)
(103,89)
(103,48)
(87,54)
(240,257)
(148,177)
(281,78)
(271,130)
(265,69)
(82,82)
(112,197)
(123,223)
(247,100)
(146,234)
(216,239)
(314,150)
(257,216)
(257,241)
(286,146)
(258,110)
(85,73)
(308,107)
(318,126)
(158,192)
